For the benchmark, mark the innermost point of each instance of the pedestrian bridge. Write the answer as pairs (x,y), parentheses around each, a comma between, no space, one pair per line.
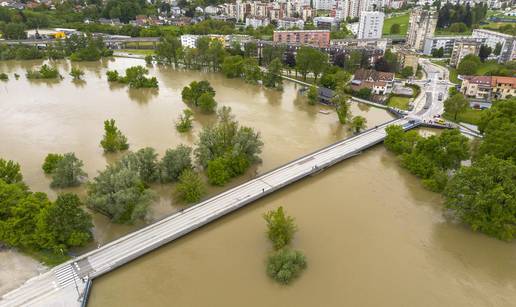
(68,283)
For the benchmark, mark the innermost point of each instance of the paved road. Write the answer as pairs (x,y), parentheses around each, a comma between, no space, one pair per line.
(64,284)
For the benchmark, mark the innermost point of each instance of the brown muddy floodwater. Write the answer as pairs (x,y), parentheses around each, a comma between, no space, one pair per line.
(372,235)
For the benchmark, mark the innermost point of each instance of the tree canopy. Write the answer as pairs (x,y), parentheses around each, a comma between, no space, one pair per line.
(280,227)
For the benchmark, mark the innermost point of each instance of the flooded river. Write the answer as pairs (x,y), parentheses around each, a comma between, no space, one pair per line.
(372,235)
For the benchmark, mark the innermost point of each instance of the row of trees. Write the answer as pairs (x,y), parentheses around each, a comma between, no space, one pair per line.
(78,48)
(450,14)
(283,263)
(32,222)
(482,195)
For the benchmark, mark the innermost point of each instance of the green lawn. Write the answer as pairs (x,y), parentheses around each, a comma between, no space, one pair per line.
(402,20)
(471,116)
(400,102)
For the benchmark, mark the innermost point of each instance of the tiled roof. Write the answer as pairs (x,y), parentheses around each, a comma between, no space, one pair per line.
(481,80)
(504,80)
(369,74)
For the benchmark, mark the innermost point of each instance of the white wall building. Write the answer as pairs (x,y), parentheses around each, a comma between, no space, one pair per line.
(189,40)
(289,23)
(256,22)
(492,38)
(370,25)
(324,4)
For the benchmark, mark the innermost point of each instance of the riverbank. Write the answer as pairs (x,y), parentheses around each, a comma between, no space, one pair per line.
(16,268)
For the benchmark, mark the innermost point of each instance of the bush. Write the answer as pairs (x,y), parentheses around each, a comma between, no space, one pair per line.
(4,77)
(285,265)
(190,187)
(45,72)
(174,162)
(76,73)
(112,75)
(184,124)
(206,103)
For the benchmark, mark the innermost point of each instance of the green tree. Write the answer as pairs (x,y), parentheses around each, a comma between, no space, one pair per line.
(456,105)
(312,95)
(358,123)
(174,162)
(468,65)
(144,162)
(50,163)
(238,146)
(169,49)
(498,124)
(233,66)
(251,71)
(407,72)
(14,31)
(280,227)
(113,139)
(195,90)
(340,100)
(206,103)
(68,172)
(399,141)
(484,52)
(190,187)
(484,197)
(10,171)
(184,123)
(498,49)
(218,171)
(64,224)
(76,73)
(119,193)
(285,265)
(272,77)
(395,29)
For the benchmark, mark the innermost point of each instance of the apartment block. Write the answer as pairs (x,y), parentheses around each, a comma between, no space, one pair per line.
(462,48)
(422,25)
(319,38)
(370,25)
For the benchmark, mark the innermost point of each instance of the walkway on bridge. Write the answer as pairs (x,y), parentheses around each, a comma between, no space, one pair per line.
(65,284)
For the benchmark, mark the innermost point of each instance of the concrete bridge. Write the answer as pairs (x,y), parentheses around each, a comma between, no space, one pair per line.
(68,283)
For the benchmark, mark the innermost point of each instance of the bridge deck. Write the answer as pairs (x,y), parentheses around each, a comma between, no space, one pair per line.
(64,284)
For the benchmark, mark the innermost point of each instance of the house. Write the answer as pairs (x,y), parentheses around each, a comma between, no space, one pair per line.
(488,87)
(379,82)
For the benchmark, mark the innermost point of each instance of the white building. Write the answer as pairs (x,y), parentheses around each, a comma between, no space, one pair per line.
(189,40)
(256,22)
(324,4)
(492,38)
(370,25)
(289,23)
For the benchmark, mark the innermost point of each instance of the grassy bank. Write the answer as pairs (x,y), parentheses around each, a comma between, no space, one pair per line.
(400,102)
(470,116)
(137,51)
(402,20)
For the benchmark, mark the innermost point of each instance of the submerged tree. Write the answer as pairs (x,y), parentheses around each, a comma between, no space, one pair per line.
(174,162)
(10,171)
(280,227)
(119,193)
(76,73)
(144,162)
(184,123)
(113,140)
(285,265)
(50,163)
(64,224)
(190,187)
(340,100)
(358,123)
(68,172)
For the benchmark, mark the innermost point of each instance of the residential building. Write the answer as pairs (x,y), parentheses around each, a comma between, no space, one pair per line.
(256,22)
(492,38)
(462,48)
(445,42)
(319,38)
(422,25)
(326,22)
(488,87)
(370,25)
(407,58)
(306,13)
(289,23)
(189,40)
(381,43)
(324,4)
(379,82)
